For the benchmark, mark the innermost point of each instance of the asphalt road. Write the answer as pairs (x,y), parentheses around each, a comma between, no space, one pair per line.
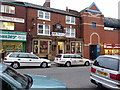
(72,77)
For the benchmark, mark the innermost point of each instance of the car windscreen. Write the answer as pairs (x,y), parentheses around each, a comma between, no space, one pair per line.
(108,63)
(22,79)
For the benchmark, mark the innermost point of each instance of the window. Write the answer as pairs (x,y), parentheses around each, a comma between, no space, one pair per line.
(7,9)
(43,29)
(32,56)
(108,63)
(93,24)
(70,32)
(43,46)
(76,47)
(66,56)
(43,15)
(7,25)
(70,20)
(23,56)
(13,55)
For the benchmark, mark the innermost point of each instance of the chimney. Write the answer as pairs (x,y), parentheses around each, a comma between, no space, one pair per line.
(47,3)
(67,10)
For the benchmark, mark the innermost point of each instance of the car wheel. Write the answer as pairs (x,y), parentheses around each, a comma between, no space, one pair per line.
(15,65)
(87,63)
(44,65)
(68,64)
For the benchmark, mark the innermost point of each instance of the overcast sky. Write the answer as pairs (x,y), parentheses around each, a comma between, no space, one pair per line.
(108,7)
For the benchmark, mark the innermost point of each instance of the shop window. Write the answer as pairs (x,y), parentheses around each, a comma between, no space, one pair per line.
(43,15)
(70,20)
(43,29)
(70,32)
(73,47)
(35,46)
(76,47)
(7,25)
(7,9)
(43,46)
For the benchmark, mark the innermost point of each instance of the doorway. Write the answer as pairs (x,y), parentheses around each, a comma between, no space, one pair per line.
(94,51)
(60,47)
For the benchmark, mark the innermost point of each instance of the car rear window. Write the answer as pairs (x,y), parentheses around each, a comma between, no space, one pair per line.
(13,55)
(108,63)
(58,56)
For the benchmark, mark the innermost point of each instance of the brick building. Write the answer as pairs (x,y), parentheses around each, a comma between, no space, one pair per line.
(47,31)
(12,27)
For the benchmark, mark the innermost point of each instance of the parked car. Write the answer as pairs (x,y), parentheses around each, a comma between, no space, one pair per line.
(71,59)
(105,71)
(17,59)
(13,80)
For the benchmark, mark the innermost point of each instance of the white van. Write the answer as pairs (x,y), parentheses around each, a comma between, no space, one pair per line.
(105,71)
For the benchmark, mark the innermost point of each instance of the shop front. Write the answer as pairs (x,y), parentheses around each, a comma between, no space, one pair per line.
(52,46)
(13,41)
(112,49)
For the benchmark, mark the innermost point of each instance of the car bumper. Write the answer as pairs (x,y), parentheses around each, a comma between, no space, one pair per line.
(7,63)
(59,62)
(104,82)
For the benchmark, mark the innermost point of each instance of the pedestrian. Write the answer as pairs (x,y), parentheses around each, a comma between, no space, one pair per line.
(3,55)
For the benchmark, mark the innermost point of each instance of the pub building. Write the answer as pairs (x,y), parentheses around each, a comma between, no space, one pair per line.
(53,31)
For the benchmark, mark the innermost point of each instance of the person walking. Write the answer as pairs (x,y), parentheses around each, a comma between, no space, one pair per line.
(3,55)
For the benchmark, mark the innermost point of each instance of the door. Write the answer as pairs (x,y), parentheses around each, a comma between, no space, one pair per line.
(94,51)
(60,47)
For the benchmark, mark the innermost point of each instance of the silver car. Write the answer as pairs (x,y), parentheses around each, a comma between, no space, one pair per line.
(105,71)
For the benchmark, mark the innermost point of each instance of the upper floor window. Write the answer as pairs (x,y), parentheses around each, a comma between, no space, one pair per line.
(43,29)
(7,9)
(43,15)
(7,25)
(94,25)
(70,20)
(70,32)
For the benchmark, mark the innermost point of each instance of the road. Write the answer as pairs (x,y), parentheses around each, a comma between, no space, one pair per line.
(72,77)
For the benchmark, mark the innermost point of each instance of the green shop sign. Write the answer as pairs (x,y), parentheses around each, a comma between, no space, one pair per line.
(14,36)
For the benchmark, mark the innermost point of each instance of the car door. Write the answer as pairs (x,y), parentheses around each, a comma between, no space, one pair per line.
(74,60)
(79,60)
(35,61)
(24,59)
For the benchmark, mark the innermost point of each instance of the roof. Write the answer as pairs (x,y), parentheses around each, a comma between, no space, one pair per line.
(2,67)
(111,22)
(111,56)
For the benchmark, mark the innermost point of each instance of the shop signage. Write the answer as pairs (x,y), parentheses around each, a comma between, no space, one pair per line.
(58,28)
(16,36)
(110,46)
(12,19)
(58,34)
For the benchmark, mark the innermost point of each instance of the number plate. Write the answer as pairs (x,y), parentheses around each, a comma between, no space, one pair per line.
(102,73)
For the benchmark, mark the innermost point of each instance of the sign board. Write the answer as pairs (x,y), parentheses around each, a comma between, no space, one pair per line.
(12,19)
(14,36)
(58,34)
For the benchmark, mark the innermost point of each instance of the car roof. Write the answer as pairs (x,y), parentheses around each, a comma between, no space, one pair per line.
(68,54)
(2,67)
(111,56)
(19,53)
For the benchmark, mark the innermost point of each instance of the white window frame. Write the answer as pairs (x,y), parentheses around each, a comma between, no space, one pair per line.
(3,9)
(71,32)
(70,20)
(44,25)
(44,15)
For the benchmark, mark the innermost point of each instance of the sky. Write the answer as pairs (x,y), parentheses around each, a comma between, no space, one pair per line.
(109,8)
